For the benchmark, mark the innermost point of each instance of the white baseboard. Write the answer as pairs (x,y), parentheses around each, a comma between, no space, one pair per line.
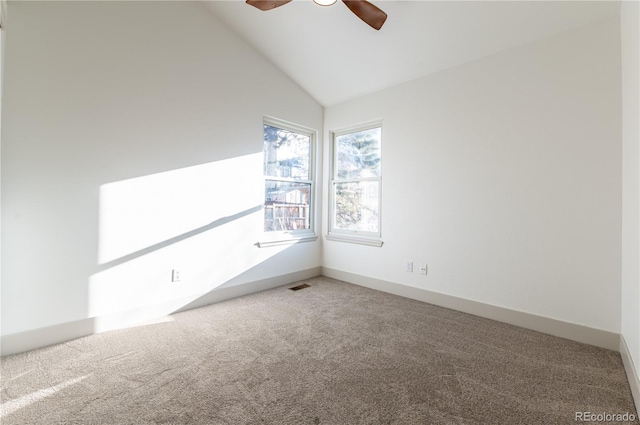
(632,371)
(571,331)
(261,285)
(42,337)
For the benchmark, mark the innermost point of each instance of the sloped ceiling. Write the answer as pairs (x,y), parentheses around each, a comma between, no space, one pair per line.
(334,56)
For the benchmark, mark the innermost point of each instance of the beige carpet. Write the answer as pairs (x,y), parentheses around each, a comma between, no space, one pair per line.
(333,353)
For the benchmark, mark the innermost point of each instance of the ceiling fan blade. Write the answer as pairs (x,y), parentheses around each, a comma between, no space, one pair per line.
(267,4)
(368,12)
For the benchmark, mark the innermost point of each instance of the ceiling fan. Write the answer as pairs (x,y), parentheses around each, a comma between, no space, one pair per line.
(366,11)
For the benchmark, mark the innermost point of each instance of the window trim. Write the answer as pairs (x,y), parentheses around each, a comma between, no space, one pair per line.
(345,235)
(286,237)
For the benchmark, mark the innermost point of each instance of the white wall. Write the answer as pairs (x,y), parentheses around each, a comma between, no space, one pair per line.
(3,20)
(132,145)
(630,31)
(504,176)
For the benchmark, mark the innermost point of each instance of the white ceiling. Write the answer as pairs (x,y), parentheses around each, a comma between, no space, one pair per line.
(334,56)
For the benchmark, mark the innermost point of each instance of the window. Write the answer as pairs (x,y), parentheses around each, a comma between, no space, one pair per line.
(356,185)
(288,182)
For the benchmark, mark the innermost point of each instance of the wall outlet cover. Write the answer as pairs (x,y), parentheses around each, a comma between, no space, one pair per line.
(175,275)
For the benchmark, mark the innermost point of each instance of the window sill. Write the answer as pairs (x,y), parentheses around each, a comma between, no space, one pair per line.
(287,241)
(350,239)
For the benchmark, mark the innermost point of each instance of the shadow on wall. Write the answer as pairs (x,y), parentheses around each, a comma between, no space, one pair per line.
(155,225)
(176,239)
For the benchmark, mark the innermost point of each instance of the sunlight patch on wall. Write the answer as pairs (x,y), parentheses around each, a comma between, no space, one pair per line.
(203,221)
(142,212)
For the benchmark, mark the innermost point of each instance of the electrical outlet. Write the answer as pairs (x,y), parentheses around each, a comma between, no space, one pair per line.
(175,275)
(409,267)
(423,269)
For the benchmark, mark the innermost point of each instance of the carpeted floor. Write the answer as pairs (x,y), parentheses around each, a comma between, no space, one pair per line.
(333,353)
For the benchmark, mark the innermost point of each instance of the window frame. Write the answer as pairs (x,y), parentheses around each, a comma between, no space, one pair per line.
(282,237)
(346,235)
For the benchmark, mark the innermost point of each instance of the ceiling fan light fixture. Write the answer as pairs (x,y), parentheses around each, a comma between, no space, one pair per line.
(368,12)
(324,2)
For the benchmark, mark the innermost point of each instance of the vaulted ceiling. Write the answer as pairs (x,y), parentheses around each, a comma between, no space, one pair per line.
(335,56)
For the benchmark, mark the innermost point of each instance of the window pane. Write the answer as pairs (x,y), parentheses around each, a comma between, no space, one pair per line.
(357,206)
(358,154)
(286,154)
(286,206)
